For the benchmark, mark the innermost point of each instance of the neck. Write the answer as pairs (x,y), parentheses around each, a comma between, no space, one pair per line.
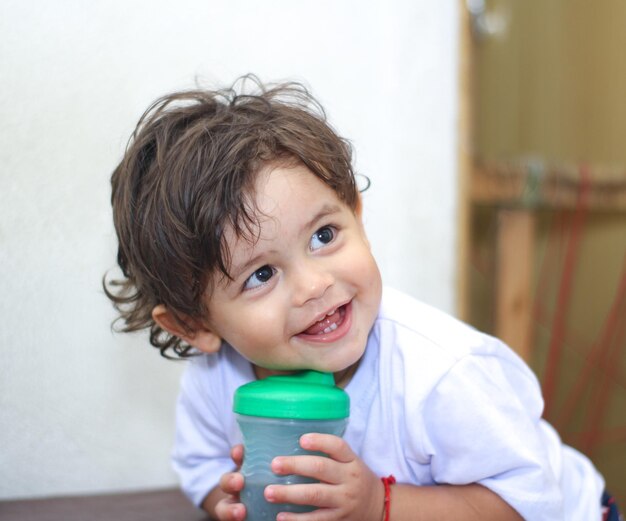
(342,378)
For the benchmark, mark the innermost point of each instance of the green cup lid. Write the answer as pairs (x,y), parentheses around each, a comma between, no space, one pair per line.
(307,395)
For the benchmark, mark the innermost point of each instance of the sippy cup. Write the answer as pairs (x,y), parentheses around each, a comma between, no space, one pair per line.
(273,414)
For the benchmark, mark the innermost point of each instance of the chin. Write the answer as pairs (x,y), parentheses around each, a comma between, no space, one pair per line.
(343,365)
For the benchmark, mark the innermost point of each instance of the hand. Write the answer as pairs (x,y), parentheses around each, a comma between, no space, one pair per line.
(228,507)
(348,489)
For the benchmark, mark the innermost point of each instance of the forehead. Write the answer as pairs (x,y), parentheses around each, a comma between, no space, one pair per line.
(283,196)
(285,201)
(289,196)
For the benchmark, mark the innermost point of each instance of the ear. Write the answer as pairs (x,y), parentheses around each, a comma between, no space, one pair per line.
(358,209)
(193,333)
(358,212)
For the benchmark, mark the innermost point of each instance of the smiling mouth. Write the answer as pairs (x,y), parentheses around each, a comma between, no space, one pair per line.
(334,325)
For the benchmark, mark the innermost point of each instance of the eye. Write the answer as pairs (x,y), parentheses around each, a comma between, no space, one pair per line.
(259,277)
(321,237)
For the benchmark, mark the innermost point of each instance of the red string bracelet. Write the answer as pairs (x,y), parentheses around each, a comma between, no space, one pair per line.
(387,482)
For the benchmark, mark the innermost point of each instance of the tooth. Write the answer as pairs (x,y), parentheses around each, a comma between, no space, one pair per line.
(330,328)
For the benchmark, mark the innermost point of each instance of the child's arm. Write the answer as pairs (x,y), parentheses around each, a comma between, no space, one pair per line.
(351,491)
(467,502)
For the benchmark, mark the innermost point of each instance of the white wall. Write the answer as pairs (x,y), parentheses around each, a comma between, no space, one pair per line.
(82,409)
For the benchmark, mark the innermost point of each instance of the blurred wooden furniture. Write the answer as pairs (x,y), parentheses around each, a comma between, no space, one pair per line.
(518,191)
(157,505)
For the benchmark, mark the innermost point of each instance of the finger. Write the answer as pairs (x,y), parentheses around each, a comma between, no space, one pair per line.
(229,510)
(236,453)
(231,483)
(320,468)
(318,495)
(334,446)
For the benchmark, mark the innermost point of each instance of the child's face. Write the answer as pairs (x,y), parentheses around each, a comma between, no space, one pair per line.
(306,294)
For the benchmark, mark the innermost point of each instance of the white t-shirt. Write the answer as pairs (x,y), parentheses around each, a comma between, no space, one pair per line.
(433,401)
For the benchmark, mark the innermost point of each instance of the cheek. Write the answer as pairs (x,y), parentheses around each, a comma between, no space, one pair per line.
(257,324)
(363,266)
(366,276)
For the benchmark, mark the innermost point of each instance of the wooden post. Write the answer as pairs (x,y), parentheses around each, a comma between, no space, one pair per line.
(515,245)
(465,162)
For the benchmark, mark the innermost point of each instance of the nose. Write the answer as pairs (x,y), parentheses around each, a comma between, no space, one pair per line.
(311,280)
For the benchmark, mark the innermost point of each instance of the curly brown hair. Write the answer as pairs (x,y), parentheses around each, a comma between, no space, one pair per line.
(188,174)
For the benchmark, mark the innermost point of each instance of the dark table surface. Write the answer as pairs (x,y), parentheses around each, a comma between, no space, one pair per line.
(157,505)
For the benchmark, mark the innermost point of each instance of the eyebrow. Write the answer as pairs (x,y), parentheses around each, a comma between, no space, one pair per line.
(240,270)
(326,210)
